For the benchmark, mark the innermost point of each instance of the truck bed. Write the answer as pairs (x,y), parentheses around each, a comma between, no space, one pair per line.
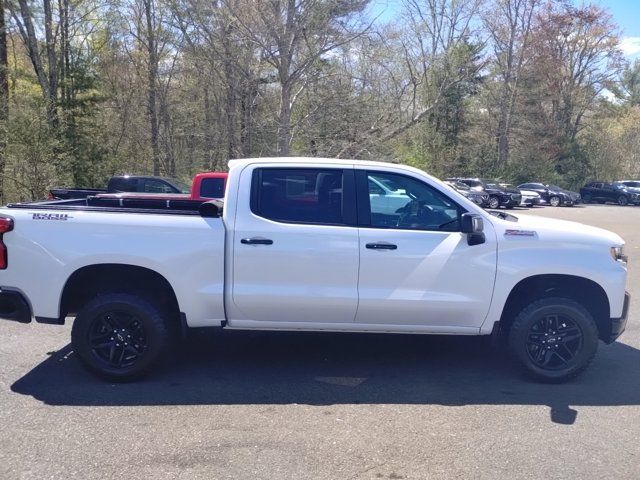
(178,206)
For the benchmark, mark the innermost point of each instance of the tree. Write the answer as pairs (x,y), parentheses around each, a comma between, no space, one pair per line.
(4,96)
(292,36)
(508,23)
(630,84)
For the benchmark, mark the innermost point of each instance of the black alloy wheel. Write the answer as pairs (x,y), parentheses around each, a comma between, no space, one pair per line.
(555,201)
(553,339)
(121,336)
(494,202)
(117,339)
(553,342)
(623,200)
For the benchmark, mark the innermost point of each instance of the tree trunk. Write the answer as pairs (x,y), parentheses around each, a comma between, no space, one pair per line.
(152,86)
(503,137)
(4,97)
(29,36)
(231,100)
(284,121)
(52,63)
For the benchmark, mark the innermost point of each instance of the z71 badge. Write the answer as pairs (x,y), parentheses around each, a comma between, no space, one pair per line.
(51,216)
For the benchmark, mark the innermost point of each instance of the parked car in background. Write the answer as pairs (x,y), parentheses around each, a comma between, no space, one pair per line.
(614,192)
(498,196)
(631,183)
(479,198)
(529,197)
(124,183)
(553,194)
(205,186)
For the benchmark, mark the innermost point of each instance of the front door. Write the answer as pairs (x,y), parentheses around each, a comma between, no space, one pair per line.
(416,267)
(295,247)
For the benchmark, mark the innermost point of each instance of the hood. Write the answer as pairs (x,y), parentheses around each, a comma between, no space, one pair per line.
(559,230)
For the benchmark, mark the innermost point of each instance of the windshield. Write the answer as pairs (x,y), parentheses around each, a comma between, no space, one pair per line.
(632,184)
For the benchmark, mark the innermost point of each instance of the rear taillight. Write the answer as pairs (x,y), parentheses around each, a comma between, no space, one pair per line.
(6,225)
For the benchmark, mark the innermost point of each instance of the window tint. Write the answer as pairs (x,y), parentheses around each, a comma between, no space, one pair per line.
(298,195)
(413,205)
(156,186)
(123,184)
(212,188)
(472,183)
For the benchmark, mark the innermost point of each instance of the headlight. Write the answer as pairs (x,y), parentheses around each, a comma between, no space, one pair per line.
(617,253)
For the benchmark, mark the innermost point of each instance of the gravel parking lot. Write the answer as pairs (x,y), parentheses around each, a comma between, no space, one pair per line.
(325,406)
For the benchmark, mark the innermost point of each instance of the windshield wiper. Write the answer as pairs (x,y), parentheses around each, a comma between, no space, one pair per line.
(447,223)
(504,216)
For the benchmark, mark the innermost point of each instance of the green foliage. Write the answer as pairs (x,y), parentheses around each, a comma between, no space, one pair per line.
(429,89)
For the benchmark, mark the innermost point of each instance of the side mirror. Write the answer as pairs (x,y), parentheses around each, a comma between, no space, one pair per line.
(473,225)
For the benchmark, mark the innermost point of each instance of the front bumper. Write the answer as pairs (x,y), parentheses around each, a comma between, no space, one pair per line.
(13,306)
(618,325)
(530,201)
(512,200)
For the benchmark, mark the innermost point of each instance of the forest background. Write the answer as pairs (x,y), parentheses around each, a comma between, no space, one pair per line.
(522,90)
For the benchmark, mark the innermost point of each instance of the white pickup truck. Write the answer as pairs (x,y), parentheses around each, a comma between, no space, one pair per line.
(312,245)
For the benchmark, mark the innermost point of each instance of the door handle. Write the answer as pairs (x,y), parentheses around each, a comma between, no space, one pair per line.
(256,241)
(382,246)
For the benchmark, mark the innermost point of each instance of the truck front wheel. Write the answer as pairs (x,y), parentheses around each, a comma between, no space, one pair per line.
(554,339)
(119,336)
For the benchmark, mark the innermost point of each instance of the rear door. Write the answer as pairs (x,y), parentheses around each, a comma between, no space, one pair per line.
(597,192)
(416,267)
(295,247)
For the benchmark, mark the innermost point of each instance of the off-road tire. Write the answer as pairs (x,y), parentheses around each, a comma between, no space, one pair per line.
(522,332)
(138,323)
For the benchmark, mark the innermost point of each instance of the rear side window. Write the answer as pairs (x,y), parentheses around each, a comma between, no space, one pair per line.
(123,184)
(303,195)
(212,188)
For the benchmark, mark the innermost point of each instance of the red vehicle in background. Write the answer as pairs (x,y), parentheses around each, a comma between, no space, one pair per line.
(205,186)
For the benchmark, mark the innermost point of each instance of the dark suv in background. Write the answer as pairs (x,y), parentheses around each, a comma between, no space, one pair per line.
(553,194)
(615,192)
(479,198)
(498,196)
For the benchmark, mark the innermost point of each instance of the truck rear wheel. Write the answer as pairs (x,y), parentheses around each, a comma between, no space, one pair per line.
(554,339)
(119,336)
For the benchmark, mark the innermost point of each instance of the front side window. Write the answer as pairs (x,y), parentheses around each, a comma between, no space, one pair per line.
(412,205)
(156,186)
(302,195)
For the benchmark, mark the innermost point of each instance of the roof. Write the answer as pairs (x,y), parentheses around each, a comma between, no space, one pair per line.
(242,162)
(329,161)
